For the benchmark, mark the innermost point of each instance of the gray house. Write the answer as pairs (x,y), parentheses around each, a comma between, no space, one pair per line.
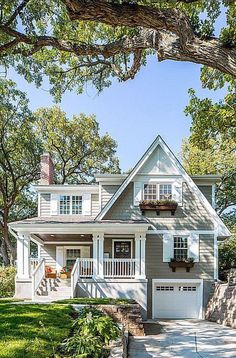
(150,235)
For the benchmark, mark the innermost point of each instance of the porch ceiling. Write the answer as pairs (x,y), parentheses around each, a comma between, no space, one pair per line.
(65,237)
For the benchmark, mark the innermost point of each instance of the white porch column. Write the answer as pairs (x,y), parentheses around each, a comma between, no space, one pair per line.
(23,256)
(140,240)
(95,255)
(101,255)
(98,255)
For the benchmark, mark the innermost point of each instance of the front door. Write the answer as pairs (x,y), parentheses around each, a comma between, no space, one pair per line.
(122,249)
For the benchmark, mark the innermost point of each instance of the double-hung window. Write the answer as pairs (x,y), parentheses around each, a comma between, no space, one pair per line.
(165,192)
(70,205)
(180,247)
(157,192)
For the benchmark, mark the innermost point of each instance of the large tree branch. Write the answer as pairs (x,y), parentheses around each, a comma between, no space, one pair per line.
(167,31)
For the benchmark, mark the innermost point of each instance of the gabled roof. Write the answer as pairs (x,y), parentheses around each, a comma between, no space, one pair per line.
(218,223)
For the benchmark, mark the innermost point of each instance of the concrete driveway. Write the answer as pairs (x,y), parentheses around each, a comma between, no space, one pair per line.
(184,338)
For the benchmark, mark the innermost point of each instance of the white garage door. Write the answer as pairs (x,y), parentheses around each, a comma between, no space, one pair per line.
(177,300)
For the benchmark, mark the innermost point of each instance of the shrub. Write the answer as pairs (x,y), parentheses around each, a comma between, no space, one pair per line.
(91,333)
(7,281)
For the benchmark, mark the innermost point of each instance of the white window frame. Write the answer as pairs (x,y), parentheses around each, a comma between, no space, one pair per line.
(70,211)
(157,189)
(181,248)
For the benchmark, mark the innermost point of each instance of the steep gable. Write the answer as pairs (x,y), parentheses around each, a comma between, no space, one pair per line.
(159,160)
(159,163)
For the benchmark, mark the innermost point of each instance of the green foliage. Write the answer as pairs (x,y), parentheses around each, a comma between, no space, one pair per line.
(7,281)
(25,329)
(92,332)
(227,248)
(211,120)
(19,159)
(69,71)
(97,301)
(218,157)
(77,148)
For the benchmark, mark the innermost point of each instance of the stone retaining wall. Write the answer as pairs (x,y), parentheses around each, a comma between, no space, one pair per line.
(118,348)
(222,306)
(128,315)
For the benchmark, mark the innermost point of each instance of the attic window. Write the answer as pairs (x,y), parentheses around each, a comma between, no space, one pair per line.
(157,192)
(70,205)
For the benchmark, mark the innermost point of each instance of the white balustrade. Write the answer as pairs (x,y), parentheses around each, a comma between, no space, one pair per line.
(37,275)
(81,268)
(119,268)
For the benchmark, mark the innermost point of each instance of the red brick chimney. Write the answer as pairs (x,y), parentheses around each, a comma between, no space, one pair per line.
(47,170)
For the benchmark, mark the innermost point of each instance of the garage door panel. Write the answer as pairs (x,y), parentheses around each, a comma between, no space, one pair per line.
(177,300)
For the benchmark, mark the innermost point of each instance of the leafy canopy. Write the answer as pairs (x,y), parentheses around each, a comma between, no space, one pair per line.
(77,148)
(79,42)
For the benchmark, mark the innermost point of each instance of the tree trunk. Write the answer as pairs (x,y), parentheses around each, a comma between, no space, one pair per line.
(4,253)
(9,248)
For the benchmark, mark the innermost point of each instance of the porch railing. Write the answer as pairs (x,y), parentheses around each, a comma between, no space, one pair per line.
(37,276)
(119,268)
(81,268)
(33,263)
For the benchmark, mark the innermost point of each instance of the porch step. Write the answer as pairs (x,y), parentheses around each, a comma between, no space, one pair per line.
(53,289)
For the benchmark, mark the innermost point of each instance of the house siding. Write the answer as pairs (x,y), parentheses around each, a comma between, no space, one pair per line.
(206,191)
(192,215)
(48,252)
(157,269)
(95,207)
(107,192)
(45,205)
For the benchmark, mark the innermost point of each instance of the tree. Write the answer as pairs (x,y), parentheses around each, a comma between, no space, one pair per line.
(20,151)
(219,157)
(77,148)
(227,248)
(74,41)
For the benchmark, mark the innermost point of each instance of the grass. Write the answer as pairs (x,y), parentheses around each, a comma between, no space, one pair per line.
(9,300)
(97,301)
(32,330)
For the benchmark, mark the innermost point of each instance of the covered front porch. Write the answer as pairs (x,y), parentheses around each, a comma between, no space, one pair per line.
(90,253)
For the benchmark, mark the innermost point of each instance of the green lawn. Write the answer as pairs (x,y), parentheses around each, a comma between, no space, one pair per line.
(96,301)
(31,330)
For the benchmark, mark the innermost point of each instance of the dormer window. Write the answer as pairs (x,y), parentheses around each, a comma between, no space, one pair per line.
(70,205)
(165,192)
(157,192)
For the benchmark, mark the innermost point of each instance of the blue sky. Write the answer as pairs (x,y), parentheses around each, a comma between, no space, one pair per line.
(136,111)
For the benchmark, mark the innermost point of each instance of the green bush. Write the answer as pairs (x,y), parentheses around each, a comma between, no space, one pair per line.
(91,333)
(7,281)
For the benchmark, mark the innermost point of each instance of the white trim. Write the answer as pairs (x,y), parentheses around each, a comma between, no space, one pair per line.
(213,196)
(121,239)
(215,258)
(64,189)
(222,229)
(181,232)
(80,228)
(39,204)
(58,243)
(179,280)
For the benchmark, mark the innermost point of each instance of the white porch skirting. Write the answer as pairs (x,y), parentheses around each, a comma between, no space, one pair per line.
(135,289)
(23,288)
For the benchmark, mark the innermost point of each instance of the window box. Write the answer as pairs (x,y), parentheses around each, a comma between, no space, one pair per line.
(186,263)
(158,205)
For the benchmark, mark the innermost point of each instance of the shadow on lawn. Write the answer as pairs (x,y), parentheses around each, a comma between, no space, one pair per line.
(32,330)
